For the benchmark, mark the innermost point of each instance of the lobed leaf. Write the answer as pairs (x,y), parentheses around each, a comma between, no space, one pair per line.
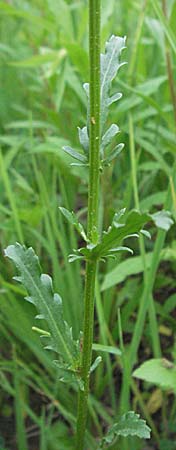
(119,231)
(110,65)
(48,304)
(111,239)
(130,424)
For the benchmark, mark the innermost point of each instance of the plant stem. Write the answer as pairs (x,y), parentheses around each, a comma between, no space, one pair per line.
(93,197)
(94,125)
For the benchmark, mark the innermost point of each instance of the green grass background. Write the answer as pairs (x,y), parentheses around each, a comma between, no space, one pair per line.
(44,62)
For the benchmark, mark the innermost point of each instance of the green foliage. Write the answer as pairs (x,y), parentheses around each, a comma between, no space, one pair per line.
(110,65)
(129,424)
(158,371)
(71,217)
(118,231)
(42,102)
(49,306)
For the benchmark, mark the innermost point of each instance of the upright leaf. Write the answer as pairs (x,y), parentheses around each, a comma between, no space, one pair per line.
(110,64)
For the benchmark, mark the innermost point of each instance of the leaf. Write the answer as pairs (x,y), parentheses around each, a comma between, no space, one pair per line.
(84,138)
(106,349)
(49,305)
(110,65)
(109,135)
(130,424)
(158,371)
(117,150)
(118,231)
(73,258)
(146,233)
(71,217)
(95,364)
(74,154)
(113,252)
(121,248)
(162,219)
(67,375)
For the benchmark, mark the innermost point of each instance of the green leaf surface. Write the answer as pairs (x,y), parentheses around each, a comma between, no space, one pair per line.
(158,371)
(106,349)
(109,135)
(72,218)
(129,424)
(118,231)
(48,304)
(117,150)
(162,219)
(110,64)
(95,364)
(75,154)
(84,138)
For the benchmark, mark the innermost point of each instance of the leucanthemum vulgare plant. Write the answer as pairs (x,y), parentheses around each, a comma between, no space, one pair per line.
(74,357)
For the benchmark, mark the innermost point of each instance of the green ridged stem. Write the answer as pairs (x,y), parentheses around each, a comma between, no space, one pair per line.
(92,226)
